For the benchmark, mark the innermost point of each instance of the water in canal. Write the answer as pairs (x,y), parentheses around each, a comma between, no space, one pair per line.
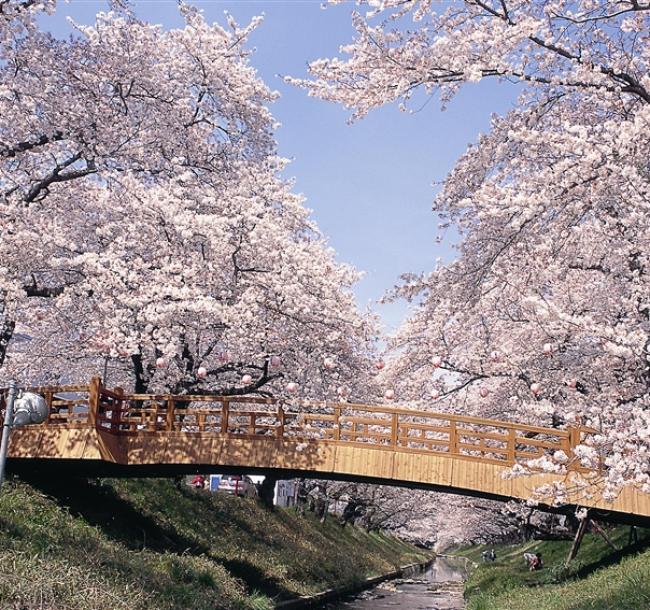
(440,587)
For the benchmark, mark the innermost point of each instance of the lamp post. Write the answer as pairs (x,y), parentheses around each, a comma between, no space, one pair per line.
(28,408)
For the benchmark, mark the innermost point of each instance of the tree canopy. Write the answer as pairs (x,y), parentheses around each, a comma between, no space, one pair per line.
(545,314)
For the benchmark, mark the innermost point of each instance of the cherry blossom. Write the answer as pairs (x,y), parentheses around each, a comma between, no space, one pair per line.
(551,205)
(162,238)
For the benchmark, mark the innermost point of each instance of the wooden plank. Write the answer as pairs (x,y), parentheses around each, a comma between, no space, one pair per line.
(368,421)
(426,427)
(477,447)
(318,417)
(241,413)
(485,435)
(59,389)
(201,398)
(362,433)
(538,443)
(423,441)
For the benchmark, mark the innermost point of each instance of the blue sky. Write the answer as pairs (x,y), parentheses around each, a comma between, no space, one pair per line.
(370,184)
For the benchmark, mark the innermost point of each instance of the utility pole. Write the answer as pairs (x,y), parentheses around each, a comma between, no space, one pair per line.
(29,408)
(6,428)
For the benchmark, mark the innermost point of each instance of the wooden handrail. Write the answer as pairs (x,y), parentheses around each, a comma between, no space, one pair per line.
(341,422)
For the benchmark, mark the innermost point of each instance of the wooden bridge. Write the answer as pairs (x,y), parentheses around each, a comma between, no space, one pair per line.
(99,432)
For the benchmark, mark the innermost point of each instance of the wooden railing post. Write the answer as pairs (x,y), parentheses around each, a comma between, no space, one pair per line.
(512,445)
(337,423)
(225,412)
(251,424)
(171,415)
(118,410)
(574,436)
(565,443)
(49,397)
(280,429)
(94,391)
(453,437)
(394,430)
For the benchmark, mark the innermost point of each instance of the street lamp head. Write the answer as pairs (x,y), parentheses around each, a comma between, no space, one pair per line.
(30,408)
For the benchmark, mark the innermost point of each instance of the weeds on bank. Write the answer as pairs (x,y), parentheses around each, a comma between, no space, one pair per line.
(146,545)
(600,579)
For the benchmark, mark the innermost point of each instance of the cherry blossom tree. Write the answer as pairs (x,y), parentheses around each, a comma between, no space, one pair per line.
(120,99)
(145,225)
(544,316)
(204,295)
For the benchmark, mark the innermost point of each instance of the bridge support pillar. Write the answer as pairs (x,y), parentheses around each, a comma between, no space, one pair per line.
(577,541)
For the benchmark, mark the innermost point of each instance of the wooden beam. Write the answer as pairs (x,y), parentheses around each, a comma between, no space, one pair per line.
(577,541)
(603,534)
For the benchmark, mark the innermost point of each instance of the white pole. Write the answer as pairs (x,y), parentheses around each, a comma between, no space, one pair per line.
(6,428)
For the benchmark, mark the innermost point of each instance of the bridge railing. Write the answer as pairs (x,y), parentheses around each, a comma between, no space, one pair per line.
(494,441)
(488,440)
(68,404)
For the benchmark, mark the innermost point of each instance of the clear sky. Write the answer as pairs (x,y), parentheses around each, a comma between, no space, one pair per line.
(370,185)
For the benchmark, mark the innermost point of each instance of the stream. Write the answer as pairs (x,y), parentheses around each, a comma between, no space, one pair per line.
(439,587)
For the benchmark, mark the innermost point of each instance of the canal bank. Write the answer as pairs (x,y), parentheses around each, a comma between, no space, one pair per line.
(130,544)
(600,578)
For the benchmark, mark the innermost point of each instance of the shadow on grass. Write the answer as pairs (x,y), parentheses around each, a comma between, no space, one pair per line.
(256,580)
(11,529)
(615,557)
(102,507)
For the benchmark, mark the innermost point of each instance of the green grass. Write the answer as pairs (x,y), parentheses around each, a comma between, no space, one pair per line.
(598,579)
(145,545)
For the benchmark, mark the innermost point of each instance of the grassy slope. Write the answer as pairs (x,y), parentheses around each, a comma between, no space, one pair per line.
(144,545)
(599,578)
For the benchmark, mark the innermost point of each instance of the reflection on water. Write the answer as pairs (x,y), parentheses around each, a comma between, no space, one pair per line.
(440,587)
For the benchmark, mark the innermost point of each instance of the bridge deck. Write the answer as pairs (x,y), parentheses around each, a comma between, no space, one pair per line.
(108,431)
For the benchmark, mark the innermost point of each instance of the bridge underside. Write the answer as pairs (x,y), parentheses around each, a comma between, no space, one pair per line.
(51,469)
(90,452)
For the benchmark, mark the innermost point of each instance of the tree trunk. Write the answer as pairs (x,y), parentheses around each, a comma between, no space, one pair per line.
(266,491)
(7,328)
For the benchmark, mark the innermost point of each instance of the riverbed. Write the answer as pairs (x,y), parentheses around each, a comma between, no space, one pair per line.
(439,587)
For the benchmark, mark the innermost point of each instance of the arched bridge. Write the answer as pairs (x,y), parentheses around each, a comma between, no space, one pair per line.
(95,431)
